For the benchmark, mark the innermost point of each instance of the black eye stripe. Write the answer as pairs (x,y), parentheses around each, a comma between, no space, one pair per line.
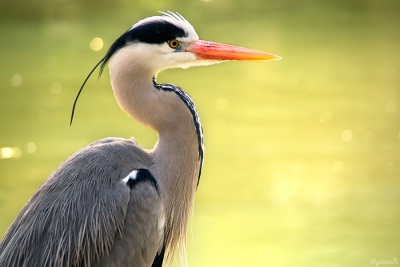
(155,32)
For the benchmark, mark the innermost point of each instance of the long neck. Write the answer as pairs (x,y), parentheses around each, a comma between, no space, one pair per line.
(177,158)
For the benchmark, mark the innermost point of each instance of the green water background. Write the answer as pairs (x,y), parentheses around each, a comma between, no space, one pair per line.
(302,163)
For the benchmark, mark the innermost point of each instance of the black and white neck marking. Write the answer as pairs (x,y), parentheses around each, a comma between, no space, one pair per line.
(187,100)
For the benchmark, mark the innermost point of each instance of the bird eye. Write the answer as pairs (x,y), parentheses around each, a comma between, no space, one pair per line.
(173,44)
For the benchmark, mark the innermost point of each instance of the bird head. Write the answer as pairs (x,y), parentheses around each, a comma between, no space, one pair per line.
(170,41)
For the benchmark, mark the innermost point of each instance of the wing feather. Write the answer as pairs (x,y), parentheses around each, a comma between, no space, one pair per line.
(76,215)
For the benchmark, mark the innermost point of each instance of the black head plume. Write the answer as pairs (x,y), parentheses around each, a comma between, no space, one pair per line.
(119,43)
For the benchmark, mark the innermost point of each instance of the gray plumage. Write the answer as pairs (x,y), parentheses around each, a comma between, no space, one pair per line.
(83,219)
(114,203)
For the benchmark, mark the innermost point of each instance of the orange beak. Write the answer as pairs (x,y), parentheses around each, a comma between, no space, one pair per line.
(217,51)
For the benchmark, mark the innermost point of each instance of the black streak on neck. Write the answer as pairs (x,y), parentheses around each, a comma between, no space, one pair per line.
(187,100)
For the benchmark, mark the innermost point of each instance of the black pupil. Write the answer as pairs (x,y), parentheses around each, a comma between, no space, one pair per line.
(174,43)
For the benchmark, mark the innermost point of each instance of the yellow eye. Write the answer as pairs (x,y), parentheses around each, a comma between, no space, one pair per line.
(173,44)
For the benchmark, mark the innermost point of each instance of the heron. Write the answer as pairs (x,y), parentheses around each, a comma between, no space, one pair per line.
(114,203)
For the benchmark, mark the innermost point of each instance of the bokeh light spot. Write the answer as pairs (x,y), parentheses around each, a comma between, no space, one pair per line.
(10,152)
(31,147)
(56,88)
(16,80)
(96,44)
(347,135)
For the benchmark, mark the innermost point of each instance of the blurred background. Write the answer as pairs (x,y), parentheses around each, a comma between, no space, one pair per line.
(302,163)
